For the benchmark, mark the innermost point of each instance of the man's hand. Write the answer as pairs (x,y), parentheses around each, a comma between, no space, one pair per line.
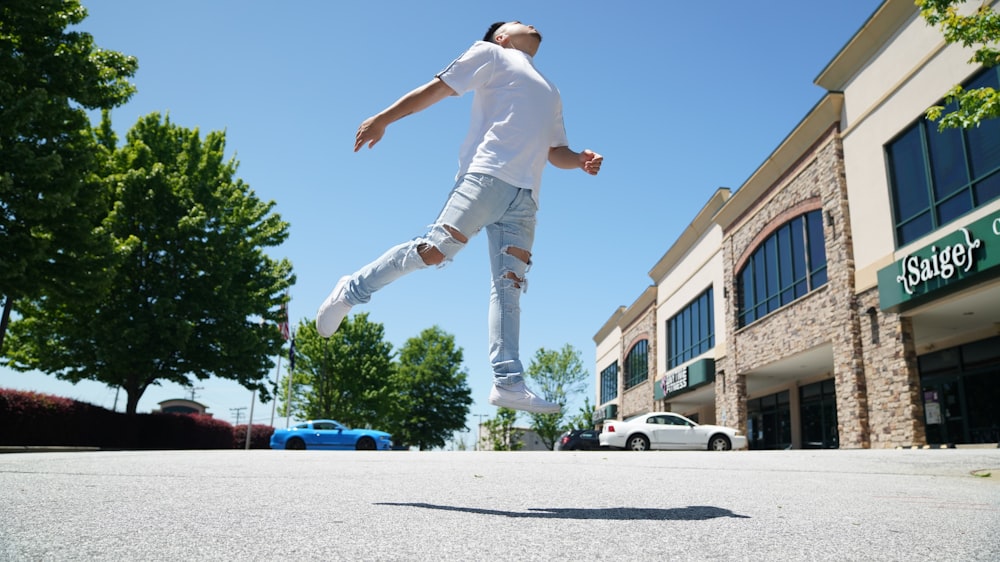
(370,132)
(591,162)
(567,159)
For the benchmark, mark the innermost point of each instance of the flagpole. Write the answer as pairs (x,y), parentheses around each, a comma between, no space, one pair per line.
(277,380)
(288,394)
(253,398)
(285,328)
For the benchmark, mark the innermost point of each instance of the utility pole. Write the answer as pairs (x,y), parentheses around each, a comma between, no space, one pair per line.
(238,412)
(193,390)
(479,430)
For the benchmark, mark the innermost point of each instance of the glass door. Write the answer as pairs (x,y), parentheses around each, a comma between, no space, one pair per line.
(943,411)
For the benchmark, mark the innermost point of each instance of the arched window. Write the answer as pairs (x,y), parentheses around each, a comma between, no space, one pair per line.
(637,364)
(787,265)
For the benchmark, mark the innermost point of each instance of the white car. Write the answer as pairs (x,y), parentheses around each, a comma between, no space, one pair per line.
(668,431)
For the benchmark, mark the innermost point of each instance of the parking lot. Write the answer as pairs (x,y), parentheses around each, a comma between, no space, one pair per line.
(608,505)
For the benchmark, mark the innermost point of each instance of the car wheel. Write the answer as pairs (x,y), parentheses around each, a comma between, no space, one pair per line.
(719,443)
(365,444)
(295,443)
(638,443)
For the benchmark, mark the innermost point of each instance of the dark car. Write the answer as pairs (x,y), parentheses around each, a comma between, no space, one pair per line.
(579,440)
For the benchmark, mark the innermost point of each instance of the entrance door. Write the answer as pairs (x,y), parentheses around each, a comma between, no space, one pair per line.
(818,408)
(943,410)
(769,424)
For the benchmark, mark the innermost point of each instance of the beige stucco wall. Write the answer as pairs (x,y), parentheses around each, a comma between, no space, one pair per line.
(700,269)
(908,75)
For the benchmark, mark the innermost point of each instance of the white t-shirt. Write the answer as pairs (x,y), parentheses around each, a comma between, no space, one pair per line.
(516,114)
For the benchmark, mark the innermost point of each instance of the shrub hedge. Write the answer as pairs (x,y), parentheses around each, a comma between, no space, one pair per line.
(35,419)
(260,436)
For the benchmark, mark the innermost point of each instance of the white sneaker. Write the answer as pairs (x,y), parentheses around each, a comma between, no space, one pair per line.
(333,310)
(518,397)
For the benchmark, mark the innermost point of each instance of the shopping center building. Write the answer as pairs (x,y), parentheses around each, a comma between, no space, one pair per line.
(848,293)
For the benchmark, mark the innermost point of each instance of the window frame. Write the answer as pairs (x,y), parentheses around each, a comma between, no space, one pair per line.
(691,332)
(769,287)
(609,383)
(933,165)
(636,368)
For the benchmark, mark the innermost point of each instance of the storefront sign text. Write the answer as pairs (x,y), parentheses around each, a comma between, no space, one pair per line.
(943,264)
(674,380)
(940,267)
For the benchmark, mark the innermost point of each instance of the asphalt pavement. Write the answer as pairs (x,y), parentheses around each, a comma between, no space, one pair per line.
(905,505)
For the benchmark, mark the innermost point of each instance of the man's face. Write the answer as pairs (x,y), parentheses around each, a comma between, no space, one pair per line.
(521,35)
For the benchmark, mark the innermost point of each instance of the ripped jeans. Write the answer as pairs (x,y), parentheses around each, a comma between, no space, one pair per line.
(508,214)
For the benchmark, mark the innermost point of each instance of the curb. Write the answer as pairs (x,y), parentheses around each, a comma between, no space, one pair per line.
(43,449)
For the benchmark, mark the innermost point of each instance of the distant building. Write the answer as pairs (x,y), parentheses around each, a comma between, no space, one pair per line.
(529,440)
(182,406)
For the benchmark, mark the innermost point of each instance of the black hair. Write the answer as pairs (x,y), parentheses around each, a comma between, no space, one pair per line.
(492,31)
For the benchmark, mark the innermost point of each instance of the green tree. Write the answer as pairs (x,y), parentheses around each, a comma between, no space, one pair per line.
(501,433)
(431,397)
(583,419)
(345,377)
(558,376)
(51,204)
(192,294)
(979,28)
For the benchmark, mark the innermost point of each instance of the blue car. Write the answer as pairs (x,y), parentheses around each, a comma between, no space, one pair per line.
(330,435)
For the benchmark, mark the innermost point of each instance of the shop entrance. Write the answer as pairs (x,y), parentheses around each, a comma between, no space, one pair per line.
(943,410)
(769,424)
(961,389)
(818,405)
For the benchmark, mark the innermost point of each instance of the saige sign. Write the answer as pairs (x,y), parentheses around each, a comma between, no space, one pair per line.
(944,264)
(966,252)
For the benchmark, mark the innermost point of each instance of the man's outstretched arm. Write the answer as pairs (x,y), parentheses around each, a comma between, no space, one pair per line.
(567,159)
(373,128)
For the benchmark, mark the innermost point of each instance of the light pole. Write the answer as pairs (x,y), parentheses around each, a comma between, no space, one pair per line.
(479,429)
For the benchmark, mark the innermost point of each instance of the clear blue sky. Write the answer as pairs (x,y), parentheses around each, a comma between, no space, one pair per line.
(681,98)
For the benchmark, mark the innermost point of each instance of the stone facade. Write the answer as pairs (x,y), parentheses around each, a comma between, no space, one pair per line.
(896,409)
(639,398)
(826,316)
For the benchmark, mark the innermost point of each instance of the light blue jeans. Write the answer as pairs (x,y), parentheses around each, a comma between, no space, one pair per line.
(508,213)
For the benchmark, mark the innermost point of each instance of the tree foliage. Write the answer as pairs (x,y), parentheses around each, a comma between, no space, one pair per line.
(431,397)
(421,397)
(501,435)
(558,375)
(192,293)
(345,377)
(584,418)
(978,28)
(51,203)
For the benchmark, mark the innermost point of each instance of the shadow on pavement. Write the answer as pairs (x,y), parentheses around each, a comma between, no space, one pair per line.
(690,513)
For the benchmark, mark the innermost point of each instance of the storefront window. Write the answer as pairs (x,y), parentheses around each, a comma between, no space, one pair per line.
(609,383)
(637,364)
(937,177)
(786,266)
(961,389)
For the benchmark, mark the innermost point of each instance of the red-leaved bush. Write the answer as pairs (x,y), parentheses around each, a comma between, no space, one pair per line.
(260,436)
(35,419)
